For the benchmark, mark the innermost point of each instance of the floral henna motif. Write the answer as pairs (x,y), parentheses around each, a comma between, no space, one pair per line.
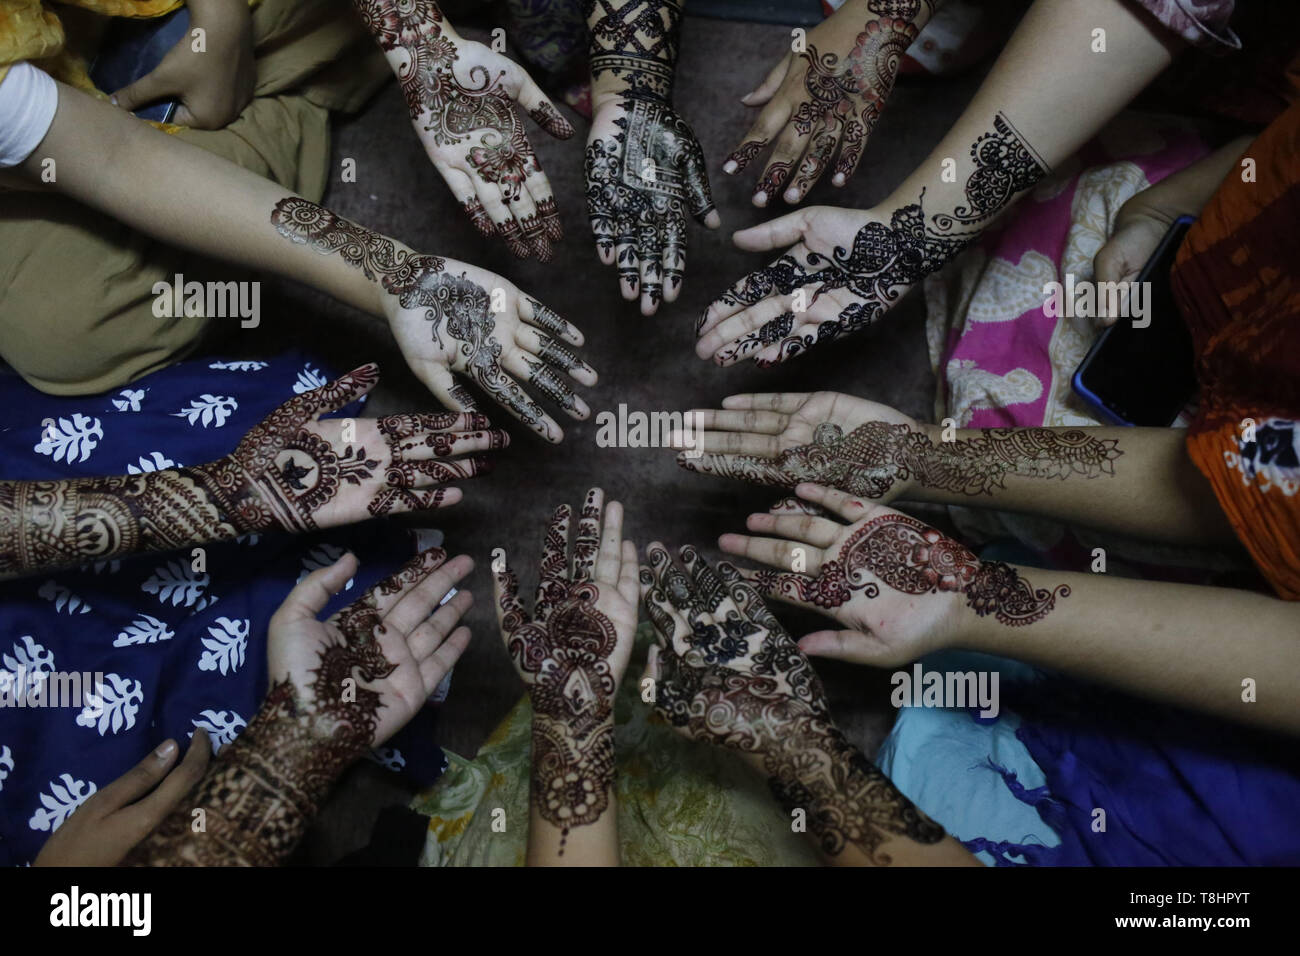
(477,111)
(563,654)
(262,791)
(909,556)
(742,683)
(457,308)
(873,457)
(884,261)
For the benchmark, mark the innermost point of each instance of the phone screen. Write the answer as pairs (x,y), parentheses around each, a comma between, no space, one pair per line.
(132,48)
(1144,376)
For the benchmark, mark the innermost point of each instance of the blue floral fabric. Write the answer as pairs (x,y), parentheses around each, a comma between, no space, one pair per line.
(173,643)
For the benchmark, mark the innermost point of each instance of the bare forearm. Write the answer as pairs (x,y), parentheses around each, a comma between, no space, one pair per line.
(181,194)
(1226,652)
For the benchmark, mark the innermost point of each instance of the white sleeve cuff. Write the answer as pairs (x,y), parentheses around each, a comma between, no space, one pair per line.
(28,100)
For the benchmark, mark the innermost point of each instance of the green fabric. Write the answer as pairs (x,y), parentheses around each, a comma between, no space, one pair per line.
(680,802)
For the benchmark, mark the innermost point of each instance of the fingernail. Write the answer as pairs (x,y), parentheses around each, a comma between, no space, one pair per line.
(165,749)
(729,166)
(760,198)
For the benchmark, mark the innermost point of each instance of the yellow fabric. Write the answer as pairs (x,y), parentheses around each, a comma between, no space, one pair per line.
(29,31)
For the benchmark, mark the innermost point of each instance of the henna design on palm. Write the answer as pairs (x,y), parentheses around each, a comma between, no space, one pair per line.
(726,672)
(884,260)
(564,654)
(911,557)
(872,458)
(269,783)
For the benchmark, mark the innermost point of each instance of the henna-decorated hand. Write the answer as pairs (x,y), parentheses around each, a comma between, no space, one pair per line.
(829,438)
(296,472)
(645,170)
(448,316)
(572,653)
(369,669)
(460,95)
(211,86)
(338,688)
(899,587)
(117,817)
(725,671)
(846,269)
(829,94)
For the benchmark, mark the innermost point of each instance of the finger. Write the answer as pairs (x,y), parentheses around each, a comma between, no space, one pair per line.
(448,444)
(310,595)
(153,86)
(586,540)
(650,258)
(787,403)
(821,147)
(409,500)
(733,443)
(750,420)
(444,386)
(531,230)
(137,781)
(511,396)
(609,563)
(775,552)
(384,594)
(552,574)
(771,83)
(698,192)
(797,506)
(670,624)
(759,471)
(332,396)
(765,128)
(851,646)
(553,353)
(154,808)
(773,312)
(505,595)
(774,234)
(625,260)
(418,600)
(709,595)
(785,155)
(426,637)
(547,380)
(628,585)
(848,507)
(439,664)
(817,531)
(503,220)
(548,320)
(673,261)
(462,187)
(852,148)
(548,215)
(541,110)
(436,471)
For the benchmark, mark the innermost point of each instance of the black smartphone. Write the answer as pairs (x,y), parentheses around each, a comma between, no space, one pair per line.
(1140,371)
(132,48)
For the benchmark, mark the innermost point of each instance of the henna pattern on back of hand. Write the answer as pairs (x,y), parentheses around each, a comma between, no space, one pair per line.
(742,683)
(911,557)
(871,459)
(884,261)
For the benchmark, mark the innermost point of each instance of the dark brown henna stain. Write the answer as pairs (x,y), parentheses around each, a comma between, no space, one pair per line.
(260,794)
(479,217)
(873,457)
(636,43)
(742,683)
(745,153)
(911,557)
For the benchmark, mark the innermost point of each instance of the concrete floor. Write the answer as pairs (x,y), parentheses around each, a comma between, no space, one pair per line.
(649,364)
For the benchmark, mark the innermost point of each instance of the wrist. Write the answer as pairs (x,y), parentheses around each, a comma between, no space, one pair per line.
(231,493)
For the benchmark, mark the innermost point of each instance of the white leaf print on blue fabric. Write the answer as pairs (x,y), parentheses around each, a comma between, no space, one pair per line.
(156,461)
(226,644)
(69,439)
(208,410)
(145,629)
(223,726)
(112,705)
(65,602)
(58,804)
(176,583)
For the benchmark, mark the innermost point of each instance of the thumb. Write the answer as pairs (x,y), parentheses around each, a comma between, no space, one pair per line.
(151,87)
(776,234)
(542,110)
(310,595)
(852,646)
(767,89)
(697,188)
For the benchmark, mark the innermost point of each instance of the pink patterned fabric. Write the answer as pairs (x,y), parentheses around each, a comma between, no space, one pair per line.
(1202,23)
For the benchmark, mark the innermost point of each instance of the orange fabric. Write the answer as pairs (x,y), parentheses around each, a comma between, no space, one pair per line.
(1237,282)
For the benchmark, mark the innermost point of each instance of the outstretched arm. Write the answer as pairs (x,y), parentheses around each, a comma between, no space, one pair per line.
(1068,68)
(293,472)
(338,688)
